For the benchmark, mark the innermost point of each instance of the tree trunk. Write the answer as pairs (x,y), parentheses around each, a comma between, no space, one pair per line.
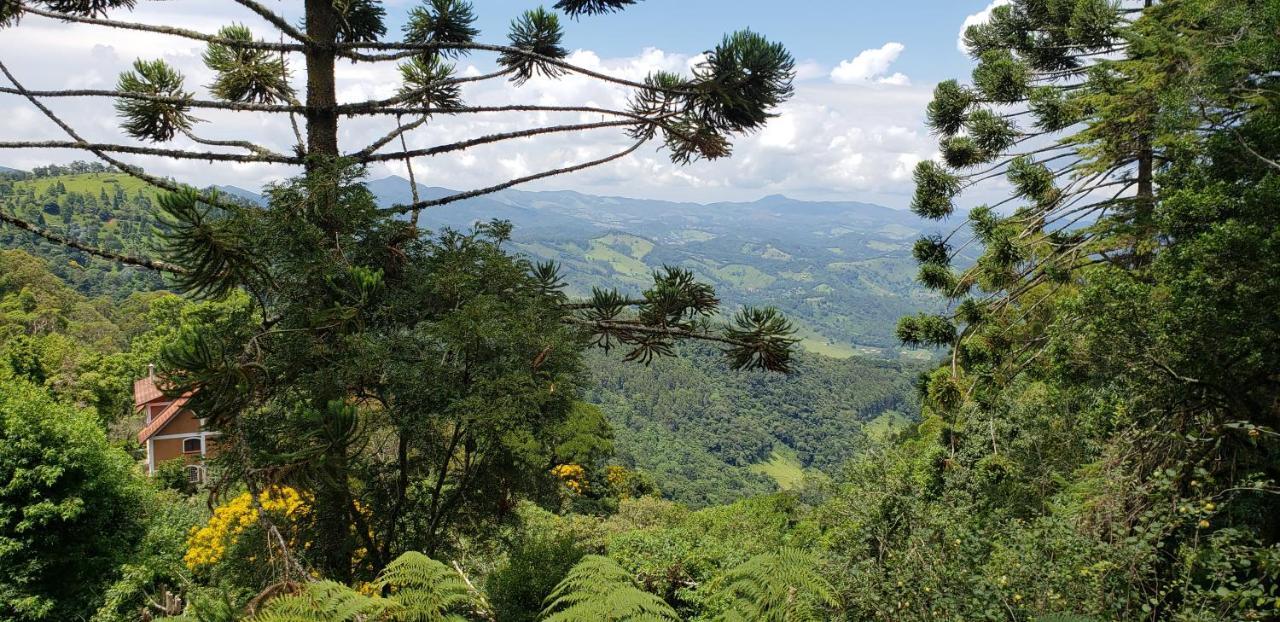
(334,545)
(322,98)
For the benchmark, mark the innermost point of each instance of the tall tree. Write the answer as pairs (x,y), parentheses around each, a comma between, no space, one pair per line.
(410,384)
(1059,105)
(1110,401)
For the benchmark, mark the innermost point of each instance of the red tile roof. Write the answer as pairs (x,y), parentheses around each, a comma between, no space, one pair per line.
(145,391)
(163,419)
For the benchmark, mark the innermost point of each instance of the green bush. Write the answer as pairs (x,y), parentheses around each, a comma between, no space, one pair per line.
(71,507)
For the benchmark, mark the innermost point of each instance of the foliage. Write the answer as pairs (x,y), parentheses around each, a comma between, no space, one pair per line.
(154,574)
(1102,440)
(207,545)
(416,587)
(700,427)
(63,488)
(781,586)
(535,565)
(597,588)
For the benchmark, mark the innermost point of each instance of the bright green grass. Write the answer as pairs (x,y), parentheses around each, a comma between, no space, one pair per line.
(89,183)
(877,245)
(629,245)
(818,344)
(774,253)
(883,427)
(745,277)
(692,235)
(622,264)
(783,466)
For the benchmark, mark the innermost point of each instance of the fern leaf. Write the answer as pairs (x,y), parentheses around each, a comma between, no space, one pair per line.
(596,589)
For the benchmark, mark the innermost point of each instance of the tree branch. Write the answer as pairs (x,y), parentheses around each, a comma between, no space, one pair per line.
(274,20)
(366,107)
(62,240)
(243,144)
(617,326)
(400,209)
(126,168)
(176,154)
(165,30)
(483,140)
(405,50)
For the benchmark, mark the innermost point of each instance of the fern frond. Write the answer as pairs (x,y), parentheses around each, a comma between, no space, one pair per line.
(775,587)
(325,601)
(597,588)
(425,589)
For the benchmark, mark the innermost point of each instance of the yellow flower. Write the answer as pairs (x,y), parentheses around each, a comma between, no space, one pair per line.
(573,476)
(1203,524)
(208,544)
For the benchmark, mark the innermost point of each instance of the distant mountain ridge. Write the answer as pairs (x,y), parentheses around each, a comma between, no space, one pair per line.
(841,270)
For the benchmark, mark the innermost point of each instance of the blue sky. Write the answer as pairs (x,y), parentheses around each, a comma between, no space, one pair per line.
(853,131)
(826,31)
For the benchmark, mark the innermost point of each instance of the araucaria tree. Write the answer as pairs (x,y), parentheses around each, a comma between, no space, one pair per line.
(412,385)
(1102,438)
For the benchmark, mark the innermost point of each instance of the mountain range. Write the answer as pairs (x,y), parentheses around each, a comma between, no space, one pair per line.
(842,270)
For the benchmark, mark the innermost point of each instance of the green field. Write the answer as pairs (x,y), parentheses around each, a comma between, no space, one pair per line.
(88,183)
(745,277)
(783,467)
(622,252)
(883,427)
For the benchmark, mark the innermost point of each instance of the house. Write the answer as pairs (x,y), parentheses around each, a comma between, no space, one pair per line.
(172,431)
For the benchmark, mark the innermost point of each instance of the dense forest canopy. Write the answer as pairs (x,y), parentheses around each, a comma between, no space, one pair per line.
(426,424)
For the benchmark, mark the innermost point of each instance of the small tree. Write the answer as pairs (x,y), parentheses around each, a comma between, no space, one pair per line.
(410,385)
(65,489)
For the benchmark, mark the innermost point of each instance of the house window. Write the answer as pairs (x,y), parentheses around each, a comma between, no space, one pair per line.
(195,473)
(191,445)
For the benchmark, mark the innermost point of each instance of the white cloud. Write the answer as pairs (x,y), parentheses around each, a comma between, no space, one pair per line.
(855,140)
(871,66)
(809,70)
(981,17)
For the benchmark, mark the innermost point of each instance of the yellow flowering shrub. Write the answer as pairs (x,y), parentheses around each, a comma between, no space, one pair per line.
(207,545)
(616,475)
(573,476)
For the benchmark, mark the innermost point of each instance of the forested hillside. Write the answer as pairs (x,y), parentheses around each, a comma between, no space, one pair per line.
(711,435)
(109,210)
(843,271)
(394,420)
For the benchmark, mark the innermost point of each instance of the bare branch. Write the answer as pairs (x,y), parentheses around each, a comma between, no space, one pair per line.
(482,140)
(366,107)
(413,181)
(177,154)
(191,103)
(623,326)
(400,209)
(274,20)
(243,144)
(399,132)
(165,30)
(57,238)
(405,50)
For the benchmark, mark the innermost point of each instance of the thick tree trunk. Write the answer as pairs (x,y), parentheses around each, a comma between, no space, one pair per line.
(322,98)
(334,543)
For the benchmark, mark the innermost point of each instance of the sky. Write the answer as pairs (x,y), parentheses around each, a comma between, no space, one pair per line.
(853,131)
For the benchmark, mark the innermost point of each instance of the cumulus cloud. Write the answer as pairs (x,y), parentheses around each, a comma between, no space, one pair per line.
(853,140)
(981,17)
(871,66)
